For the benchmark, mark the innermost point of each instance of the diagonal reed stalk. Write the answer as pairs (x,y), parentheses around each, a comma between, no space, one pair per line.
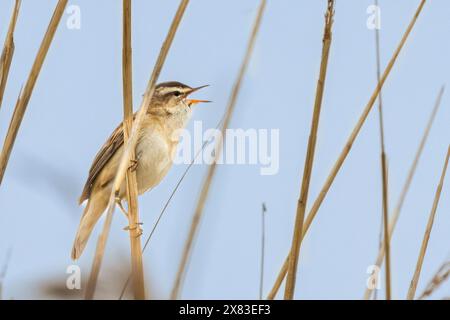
(384,172)
(309,160)
(407,184)
(346,150)
(25,95)
(131,182)
(130,147)
(8,51)
(438,279)
(211,171)
(426,237)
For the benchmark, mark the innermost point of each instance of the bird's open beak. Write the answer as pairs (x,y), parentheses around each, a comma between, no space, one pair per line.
(192,102)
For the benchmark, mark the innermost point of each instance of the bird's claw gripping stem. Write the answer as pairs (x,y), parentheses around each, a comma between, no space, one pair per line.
(136,227)
(133,165)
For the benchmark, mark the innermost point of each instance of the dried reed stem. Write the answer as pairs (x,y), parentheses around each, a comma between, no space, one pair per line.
(207,183)
(131,182)
(384,173)
(309,160)
(426,237)
(280,277)
(263,250)
(407,184)
(387,245)
(349,144)
(4,270)
(439,278)
(130,147)
(8,51)
(25,95)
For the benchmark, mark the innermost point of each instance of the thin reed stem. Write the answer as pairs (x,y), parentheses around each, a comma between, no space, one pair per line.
(348,146)
(211,171)
(131,182)
(426,237)
(8,51)
(387,245)
(4,270)
(406,185)
(263,250)
(309,160)
(384,172)
(130,146)
(25,95)
(279,280)
(438,279)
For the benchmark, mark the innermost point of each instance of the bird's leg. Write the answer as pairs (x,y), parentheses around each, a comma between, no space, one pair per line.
(120,205)
(128,228)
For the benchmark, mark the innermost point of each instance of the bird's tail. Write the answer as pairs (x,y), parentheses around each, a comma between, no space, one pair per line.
(95,207)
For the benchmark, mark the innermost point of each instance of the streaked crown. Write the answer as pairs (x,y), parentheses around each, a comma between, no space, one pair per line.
(172,88)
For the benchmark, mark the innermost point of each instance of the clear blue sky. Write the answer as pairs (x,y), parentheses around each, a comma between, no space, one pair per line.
(77,102)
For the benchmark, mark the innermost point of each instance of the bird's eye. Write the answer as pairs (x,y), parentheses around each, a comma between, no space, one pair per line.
(177,93)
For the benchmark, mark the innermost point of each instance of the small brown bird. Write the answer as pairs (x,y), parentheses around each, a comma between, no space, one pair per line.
(169,111)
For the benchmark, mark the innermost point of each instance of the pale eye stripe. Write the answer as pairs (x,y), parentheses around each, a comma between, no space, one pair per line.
(165,91)
(170,90)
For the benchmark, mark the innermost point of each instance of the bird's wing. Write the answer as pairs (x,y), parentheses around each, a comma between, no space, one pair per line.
(114,142)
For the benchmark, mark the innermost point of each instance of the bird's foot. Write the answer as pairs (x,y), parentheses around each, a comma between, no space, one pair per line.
(133,165)
(139,233)
(136,227)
